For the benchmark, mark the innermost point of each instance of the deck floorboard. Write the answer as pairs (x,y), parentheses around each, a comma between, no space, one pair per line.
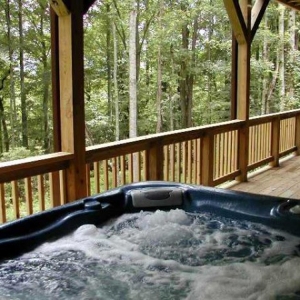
(282,181)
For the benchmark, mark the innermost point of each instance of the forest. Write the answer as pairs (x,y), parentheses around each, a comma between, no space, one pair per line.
(179,51)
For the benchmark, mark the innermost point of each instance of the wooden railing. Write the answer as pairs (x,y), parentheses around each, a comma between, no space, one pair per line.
(32,184)
(208,155)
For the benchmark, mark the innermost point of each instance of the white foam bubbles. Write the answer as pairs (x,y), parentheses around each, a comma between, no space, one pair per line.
(166,255)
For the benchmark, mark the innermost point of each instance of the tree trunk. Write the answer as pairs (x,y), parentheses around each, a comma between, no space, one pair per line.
(264,108)
(281,60)
(22,77)
(132,76)
(159,93)
(13,113)
(108,62)
(46,85)
(159,79)
(183,76)
(4,133)
(291,58)
(5,139)
(133,87)
(273,83)
(186,73)
(116,87)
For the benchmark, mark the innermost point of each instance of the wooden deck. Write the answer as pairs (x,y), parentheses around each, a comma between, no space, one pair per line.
(283,181)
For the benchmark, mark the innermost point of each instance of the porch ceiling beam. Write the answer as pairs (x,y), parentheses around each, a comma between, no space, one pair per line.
(237,20)
(60,7)
(292,4)
(258,12)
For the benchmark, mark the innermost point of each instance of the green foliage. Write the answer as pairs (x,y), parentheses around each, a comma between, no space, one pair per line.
(20,152)
(160,32)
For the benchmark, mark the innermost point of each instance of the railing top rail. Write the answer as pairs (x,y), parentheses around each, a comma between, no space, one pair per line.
(123,147)
(31,166)
(269,117)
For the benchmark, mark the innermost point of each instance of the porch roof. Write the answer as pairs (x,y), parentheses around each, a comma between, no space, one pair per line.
(295,4)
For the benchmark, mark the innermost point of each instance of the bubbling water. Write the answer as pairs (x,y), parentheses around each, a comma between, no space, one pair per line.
(160,255)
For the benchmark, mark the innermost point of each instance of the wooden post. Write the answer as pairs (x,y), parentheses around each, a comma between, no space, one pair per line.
(275,142)
(207,160)
(2,204)
(55,102)
(243,91)
(297,135)
(234,58)
(240,16)
(154,158)
(72,98)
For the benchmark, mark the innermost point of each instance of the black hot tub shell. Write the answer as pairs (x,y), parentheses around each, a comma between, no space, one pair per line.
(25,234)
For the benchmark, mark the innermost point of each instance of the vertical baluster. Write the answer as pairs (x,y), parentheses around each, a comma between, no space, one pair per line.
(263,141)
(297,134)
(2,204)
(96,177)
(88,178)
(275,141)
(138,155)
(178,161)
(184,162)
(222,154)
(189,161)
(260,144)
(166,163)
(229,152)
(250,146)
(269,137)
(195,161)
(28,195)
(123,170)
(236,151)
(130,167)
(254,145)
(41,192)
(143,165)
(115,171)
(15,198)
(226,160)
(63,189)
(281,135)
(198,161)
(289,133)
(172,162)
(207,160)
(105,173)
(217,156)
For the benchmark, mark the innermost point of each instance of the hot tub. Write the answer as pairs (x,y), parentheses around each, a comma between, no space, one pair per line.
(166,241)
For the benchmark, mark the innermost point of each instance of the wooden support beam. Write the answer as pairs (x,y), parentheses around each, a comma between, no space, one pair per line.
(59,7)
(237,20)
(72,98)
(258,12)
